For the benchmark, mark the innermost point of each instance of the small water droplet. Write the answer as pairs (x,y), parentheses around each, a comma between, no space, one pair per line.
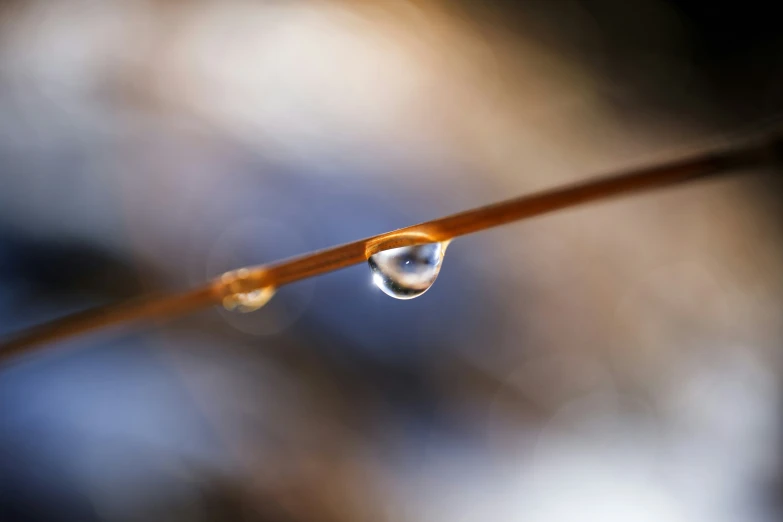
(248,301)
(407,272)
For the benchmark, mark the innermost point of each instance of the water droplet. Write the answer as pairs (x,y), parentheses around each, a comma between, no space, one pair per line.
(407,272)
(248,301)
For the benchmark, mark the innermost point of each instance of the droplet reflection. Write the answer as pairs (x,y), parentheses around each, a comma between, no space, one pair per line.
(407,272)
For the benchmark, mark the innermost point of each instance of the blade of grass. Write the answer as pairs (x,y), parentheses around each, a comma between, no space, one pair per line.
(446,228)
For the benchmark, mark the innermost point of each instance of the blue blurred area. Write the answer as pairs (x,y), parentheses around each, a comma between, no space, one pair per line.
(114,409)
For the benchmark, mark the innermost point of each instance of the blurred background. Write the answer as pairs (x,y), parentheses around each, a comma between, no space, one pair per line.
(616,362)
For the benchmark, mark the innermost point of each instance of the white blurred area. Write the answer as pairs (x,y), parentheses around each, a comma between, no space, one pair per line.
(640,336)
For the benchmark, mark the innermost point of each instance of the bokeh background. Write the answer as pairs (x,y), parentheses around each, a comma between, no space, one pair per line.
(615,362)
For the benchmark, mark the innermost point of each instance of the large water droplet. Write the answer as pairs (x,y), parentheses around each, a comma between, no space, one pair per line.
(407,272)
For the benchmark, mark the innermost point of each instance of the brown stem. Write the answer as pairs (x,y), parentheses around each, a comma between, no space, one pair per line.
(443,229)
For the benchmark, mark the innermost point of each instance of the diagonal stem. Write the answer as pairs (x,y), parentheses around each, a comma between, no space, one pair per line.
(443,229)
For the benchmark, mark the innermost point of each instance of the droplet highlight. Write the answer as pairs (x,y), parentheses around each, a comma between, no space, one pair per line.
(407,272)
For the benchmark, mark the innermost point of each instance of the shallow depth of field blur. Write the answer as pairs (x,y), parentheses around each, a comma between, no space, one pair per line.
(619,361)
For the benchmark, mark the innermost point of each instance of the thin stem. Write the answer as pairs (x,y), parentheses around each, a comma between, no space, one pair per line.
(443,229)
